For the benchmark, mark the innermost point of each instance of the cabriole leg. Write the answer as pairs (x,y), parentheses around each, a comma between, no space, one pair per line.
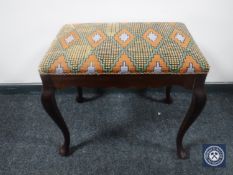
(168,98)
(197,104)
(50,106)
(79,97)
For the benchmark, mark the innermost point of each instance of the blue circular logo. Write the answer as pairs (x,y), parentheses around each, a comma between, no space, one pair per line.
(214,156)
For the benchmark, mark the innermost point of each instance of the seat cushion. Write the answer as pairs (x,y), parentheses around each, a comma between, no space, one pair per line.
(124,48)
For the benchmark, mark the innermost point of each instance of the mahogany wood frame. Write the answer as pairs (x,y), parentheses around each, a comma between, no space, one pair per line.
(194,82)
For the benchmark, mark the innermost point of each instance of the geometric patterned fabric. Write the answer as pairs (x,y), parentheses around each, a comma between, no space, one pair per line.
(124,48)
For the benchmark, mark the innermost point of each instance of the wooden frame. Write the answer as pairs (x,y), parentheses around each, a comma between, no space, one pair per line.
(194,82)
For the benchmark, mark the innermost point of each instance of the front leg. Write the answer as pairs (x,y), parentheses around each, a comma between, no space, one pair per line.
(50,106)
(197,104)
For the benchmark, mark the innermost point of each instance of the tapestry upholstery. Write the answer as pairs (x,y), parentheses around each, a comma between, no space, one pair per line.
(124,48)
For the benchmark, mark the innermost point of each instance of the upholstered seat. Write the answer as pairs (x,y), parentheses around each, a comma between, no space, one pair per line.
(124,48)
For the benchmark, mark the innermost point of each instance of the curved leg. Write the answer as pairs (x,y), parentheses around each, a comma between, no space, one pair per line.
(79,97)
(168,98)
(50,106)
(197,104)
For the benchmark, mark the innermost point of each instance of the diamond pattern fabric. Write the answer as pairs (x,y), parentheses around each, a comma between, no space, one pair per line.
(124,48)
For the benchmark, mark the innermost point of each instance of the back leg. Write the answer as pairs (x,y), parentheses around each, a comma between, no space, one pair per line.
(79,97)
(168,98)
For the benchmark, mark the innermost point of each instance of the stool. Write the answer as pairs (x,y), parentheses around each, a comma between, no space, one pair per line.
(141,55)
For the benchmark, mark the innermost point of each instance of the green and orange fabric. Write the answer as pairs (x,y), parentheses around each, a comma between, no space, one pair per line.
(124,48)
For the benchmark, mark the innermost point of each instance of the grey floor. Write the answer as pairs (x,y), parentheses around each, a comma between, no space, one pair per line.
(115,132)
